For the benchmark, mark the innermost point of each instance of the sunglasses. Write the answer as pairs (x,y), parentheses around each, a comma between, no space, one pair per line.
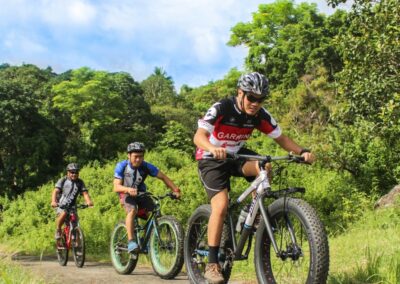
(253,99)
(74,172)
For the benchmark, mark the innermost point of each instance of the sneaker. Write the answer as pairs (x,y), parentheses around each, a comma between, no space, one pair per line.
(57,235)
(133,247)
(213,273)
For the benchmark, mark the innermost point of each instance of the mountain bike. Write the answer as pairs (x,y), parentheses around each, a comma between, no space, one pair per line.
(71,238)
(291,245)
(159,236)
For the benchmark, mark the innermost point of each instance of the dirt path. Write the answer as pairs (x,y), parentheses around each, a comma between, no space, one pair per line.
(92,272)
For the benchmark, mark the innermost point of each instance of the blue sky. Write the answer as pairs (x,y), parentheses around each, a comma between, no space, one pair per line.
(187,38)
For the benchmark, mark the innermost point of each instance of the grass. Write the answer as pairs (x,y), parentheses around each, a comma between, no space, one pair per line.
(12,273)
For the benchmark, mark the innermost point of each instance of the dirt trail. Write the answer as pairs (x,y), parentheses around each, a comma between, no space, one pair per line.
(92,272)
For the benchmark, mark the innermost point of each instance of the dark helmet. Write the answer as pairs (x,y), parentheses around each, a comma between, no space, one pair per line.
(73,167)
(136,147)
(255,83)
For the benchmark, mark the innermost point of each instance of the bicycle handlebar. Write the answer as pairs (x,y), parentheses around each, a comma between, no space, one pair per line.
(158,197)
(266,159)
(80,206)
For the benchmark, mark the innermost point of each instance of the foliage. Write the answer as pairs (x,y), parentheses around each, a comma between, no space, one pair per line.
(366,129)
(203,97)
(158,88)
(177,137)
(286,40)
(29,143)
(105,110)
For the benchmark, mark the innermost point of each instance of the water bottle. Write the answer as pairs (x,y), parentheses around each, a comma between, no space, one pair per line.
(242,218)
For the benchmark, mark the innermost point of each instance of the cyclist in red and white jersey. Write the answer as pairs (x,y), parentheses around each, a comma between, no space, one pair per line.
(225,128)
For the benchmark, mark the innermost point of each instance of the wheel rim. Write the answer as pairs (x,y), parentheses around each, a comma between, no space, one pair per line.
(62,250)
(294,264)
(198,247)
(164,248)
(78,246)
(119,248)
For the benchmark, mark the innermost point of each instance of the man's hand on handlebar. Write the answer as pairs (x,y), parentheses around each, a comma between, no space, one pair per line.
(219,153)
(132,191)
(308,157)
(177,193)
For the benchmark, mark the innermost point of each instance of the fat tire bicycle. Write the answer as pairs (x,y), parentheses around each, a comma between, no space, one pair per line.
(72,238)
(291,245)
(161,237)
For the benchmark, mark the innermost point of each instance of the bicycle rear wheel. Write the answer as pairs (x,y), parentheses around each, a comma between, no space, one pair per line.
(166,247)
(62,250)
(78,246)
(304,261)
(196,246)
(123,262)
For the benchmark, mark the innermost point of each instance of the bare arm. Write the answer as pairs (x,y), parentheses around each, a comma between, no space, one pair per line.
(118,187)
(54,197)
(201,141)
(289,145)
(86,196)
(168,182)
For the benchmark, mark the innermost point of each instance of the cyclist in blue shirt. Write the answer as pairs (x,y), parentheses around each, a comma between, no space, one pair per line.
(129,177)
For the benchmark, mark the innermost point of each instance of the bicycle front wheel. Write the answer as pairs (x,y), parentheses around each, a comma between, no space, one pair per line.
(62,250)
(78,246)
(166,247)
(301,240)
(196,246)
(123,262)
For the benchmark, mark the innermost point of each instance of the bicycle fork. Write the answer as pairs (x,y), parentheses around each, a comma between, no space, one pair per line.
(261,183)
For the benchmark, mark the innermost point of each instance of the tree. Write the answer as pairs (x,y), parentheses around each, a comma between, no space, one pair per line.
(285,41)
(106,110)
(30,146)
(369,118)
(158,88)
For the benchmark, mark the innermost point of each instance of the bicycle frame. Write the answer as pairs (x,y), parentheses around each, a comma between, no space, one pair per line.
(262,187)
(151,224)
(71,222)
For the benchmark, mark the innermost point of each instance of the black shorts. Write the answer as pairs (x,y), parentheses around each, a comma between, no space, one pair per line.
(215,174)
(138,202)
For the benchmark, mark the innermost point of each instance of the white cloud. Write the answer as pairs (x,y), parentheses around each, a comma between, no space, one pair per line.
(68,13)
(22,43)
(186,38)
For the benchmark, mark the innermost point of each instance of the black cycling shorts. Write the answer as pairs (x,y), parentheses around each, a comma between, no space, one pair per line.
(215,174)
(138,202)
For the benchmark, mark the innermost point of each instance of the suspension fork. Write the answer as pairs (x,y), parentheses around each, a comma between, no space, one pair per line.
(268,226)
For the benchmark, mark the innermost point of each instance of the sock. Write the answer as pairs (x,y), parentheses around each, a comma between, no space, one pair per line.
(213,254)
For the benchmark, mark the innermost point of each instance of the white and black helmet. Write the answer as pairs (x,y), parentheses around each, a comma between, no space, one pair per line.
(73,167)
(136,147)
(254,83)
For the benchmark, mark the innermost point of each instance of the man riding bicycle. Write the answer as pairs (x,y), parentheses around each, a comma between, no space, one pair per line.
(65,194)
(225,128)
(129,177)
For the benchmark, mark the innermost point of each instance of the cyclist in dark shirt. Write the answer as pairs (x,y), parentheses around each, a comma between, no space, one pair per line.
(225,128)
(129,177)
(66,192)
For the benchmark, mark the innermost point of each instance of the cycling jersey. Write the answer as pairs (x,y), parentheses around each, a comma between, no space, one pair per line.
(69,190)
(134,177)
(229,127)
